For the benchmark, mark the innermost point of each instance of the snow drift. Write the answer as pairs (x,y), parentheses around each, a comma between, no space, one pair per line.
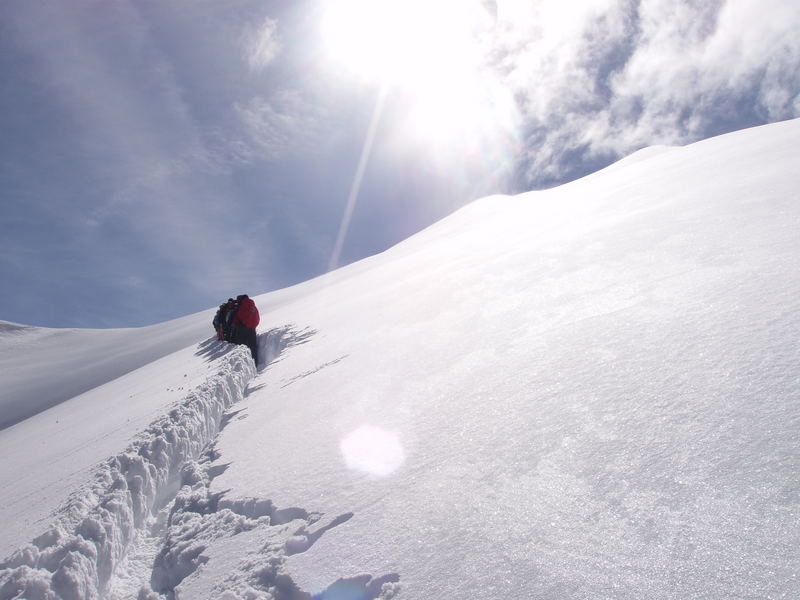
(586,392)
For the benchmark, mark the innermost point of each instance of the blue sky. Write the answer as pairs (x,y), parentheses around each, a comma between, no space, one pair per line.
(158,156)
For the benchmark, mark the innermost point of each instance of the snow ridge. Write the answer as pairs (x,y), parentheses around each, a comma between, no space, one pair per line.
(76,557)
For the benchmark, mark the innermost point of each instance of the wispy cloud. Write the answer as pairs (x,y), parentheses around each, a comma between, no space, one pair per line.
(261,43)
(140,170)
(277,125)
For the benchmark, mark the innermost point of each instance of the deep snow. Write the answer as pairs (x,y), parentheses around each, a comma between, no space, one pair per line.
(586,392)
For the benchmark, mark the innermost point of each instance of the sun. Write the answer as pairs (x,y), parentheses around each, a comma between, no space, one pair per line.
(404,42)
(431,53)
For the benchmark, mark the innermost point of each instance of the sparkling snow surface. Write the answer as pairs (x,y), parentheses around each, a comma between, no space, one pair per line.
(585,392)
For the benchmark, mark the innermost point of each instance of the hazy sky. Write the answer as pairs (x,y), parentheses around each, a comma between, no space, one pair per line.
(158,156)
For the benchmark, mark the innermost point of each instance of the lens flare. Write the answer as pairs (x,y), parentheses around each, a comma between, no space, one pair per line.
(373,450)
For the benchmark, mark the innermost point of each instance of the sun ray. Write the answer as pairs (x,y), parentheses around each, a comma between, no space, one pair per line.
(355,187)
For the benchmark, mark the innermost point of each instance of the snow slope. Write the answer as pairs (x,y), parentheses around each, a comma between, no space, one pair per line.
(586,392)
(78,360)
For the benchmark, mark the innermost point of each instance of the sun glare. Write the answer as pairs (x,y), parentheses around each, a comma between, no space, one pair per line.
(430,53)
(405,42)
(438,95)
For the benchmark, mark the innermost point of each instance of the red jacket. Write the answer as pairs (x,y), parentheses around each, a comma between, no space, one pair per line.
(247,314)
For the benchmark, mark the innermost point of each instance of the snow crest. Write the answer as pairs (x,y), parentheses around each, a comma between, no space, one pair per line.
(76,557)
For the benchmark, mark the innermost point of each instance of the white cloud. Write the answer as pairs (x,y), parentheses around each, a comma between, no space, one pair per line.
(600,78)
(696,59)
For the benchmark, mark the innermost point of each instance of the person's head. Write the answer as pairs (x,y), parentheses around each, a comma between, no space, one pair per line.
(241,297)
(222,306)
(231,302)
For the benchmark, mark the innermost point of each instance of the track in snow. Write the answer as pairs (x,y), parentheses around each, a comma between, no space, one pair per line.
(148,515)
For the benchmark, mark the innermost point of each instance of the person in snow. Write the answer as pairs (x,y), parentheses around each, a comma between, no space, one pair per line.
(219,320)
(227,324)
(245,322)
